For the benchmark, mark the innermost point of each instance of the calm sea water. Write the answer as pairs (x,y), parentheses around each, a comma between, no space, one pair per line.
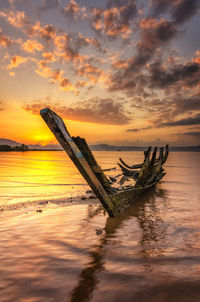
(149,253)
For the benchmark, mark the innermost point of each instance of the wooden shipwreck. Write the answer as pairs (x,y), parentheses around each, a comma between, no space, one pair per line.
(113,198)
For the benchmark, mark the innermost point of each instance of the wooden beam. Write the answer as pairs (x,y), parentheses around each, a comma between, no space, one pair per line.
(87,153)
(57,126)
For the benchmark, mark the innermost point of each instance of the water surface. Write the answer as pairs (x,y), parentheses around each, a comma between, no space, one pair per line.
(149,253)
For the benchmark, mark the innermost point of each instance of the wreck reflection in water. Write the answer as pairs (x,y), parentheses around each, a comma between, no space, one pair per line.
(153,230)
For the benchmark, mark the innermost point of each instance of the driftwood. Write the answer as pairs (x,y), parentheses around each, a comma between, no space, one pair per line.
(113,199)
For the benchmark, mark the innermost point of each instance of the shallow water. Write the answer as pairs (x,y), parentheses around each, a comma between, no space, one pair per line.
(149,253)
(47,175)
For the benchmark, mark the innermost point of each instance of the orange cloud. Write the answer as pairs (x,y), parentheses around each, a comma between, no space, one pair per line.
(15,18)
(12,74)
(96,19)
(121,63)
(48,32)
(46,72)
(89,71)
(81,84)
(20,20)
(48,56)
(66,85)
(67,51)
(32,45)
(114,21)
(74,10)
(55,76)
(95,110)
(149,23)
(43,69)
(197,59)
(59,42)
(16,61)
(4,40)
(112,25)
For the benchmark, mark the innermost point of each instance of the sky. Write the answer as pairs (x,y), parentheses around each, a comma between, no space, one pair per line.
(122,72)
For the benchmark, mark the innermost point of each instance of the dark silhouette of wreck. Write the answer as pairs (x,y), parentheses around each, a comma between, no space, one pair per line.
(113,199)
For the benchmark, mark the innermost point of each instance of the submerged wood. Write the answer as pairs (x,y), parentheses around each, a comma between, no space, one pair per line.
(113,199)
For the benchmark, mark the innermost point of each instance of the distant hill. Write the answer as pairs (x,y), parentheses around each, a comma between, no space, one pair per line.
(105,147)
(99,147)
(12,143)
(46,147)
(186,148)
(9,142)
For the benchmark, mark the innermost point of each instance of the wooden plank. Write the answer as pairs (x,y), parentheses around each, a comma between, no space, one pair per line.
(166,154)
(57,126)
(87,153)
(144,172)
(129,173)
(157,168)
(139,166)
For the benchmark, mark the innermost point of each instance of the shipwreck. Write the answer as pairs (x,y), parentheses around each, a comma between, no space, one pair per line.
(115,199)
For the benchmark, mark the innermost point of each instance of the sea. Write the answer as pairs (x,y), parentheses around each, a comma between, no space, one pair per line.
(55,246)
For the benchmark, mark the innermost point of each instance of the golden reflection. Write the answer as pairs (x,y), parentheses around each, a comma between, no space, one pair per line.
(151,224)
(32,176)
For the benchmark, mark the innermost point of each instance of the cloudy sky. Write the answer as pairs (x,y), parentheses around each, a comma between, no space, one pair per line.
(124,72)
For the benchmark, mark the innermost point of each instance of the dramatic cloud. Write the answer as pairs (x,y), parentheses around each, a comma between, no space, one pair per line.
(48,56)
(114,21)
(55,76)
(98,111)
(31,46)
(180,107)
(71,43)
(20,20)
(74,10)
(4,40)
(16,18)
(89,71)
(188,73)
(153,35)
(48,32)
(46,72)
(16,61)
(184,122)
(167,112)
(66,85)
(180,10)
(189,121)
(193,134)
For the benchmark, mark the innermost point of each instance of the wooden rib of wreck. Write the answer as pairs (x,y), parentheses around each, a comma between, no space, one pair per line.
(113,199)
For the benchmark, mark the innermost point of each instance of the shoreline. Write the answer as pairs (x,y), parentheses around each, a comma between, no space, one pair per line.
(41,204)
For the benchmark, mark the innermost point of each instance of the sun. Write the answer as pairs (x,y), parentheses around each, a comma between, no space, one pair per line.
(42,139)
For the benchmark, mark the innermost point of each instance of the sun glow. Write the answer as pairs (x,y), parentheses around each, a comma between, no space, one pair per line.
(42,139)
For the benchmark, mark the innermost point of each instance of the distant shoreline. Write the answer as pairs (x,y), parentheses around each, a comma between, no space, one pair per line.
(11,145)
(172,149)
